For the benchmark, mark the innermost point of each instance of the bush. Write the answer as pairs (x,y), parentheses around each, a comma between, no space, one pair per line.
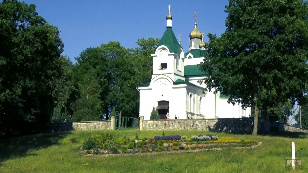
(123,149)
(140,144)
(89,144)
(154,115)
(176,144)
(114,150)
(160,143)
(131,145)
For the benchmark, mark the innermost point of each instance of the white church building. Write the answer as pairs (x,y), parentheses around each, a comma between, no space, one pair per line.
(176,88)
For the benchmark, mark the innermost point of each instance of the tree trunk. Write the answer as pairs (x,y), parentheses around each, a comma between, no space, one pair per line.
(255,121)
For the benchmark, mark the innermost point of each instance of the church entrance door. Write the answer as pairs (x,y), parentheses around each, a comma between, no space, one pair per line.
(163,109)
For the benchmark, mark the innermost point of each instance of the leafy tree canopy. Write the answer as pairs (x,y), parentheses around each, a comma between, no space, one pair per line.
(261,58)
(30,49)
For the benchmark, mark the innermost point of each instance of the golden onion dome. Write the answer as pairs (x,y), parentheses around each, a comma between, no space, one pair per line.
(202,44)
(169,16)
(195,33)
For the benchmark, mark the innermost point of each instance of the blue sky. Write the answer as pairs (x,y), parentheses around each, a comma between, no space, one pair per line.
(90,23)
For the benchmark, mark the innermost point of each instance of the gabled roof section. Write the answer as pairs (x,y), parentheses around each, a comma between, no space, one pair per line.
(170,41)
(193,70)
(197,53)
(144,85)
(180,81)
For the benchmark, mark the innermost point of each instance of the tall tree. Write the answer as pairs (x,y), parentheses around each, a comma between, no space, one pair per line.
(92,84)
(261,58)
(115,71)
(64,92)
(29,53)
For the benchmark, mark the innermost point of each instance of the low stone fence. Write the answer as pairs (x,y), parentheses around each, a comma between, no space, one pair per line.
(231,125)
(92,125)
(86,125)
(288,128)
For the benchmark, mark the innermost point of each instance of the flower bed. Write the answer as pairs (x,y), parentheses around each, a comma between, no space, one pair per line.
(107,144)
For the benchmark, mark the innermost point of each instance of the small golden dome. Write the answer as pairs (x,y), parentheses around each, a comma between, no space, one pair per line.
(195,33)
(169,16)
(202,44)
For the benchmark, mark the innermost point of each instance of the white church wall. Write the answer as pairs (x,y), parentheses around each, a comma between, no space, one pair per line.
(146,103)
(177,104)
(226,110)
(208,105)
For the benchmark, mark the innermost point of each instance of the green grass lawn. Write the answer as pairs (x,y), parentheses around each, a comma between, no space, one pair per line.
(61,153)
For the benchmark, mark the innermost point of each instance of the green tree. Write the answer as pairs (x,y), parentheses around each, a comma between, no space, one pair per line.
(30,49)
(64,92)
(154,115)
(113,112)
(92,85)
(261,58)
(115,71)
(304,115)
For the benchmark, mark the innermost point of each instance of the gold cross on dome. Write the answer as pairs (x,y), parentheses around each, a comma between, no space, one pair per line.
(169,6)
(195,17)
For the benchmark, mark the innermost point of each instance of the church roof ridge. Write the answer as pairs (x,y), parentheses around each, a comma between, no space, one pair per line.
(193,70)
(169,40)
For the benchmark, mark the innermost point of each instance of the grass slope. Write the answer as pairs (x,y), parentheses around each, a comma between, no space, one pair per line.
(60,153)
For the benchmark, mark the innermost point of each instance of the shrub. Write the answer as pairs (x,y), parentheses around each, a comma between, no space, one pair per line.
(160,148)
(160,143)
(154,115)
(114,150)
(140,144)
(123,149)
(89,144)
(131,145)
(105,145)
(176,144)
(137,137)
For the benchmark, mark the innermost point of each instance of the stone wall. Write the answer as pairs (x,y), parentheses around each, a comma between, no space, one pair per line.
(92,125)
(231,125)
(86,125)
(288,128)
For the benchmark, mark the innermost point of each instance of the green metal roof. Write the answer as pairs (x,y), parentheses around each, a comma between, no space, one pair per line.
(170,41)
(197,53)
(144,85)
(180,81)
(222,95)
(193,70)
